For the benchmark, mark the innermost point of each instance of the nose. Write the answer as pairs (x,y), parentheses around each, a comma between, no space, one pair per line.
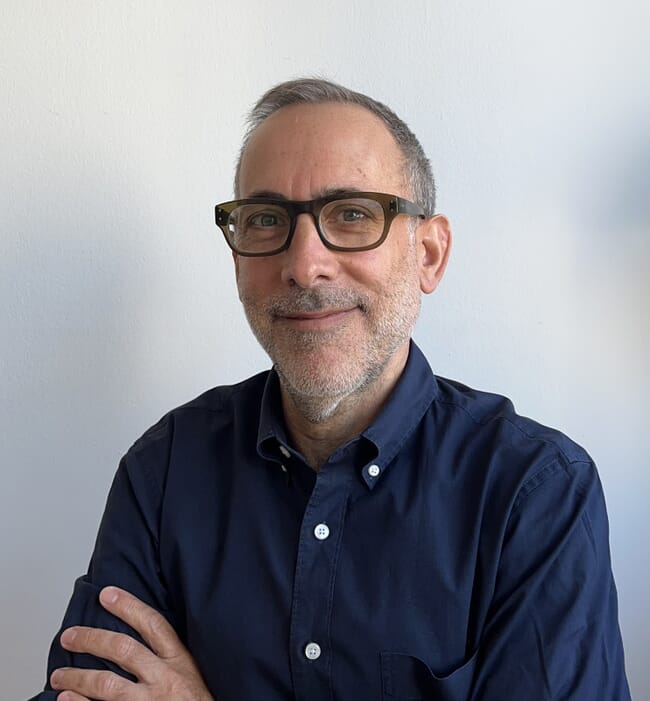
(307,261)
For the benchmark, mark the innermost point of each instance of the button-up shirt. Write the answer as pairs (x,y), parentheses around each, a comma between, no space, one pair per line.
(453,551)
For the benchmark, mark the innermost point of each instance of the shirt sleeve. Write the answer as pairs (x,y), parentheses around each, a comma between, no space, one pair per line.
(125,555)
(552,632)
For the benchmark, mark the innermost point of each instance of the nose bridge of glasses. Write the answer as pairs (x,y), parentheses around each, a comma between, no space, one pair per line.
(312,210)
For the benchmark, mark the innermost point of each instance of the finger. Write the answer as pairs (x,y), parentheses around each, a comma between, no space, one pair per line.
(120,648)
(151,624)
(71,696)
(92,684)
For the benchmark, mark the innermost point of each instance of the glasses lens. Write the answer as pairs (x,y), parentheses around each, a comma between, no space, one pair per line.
(258,228)
(353,223)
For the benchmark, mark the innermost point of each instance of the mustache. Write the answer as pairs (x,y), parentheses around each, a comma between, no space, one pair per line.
(315,300)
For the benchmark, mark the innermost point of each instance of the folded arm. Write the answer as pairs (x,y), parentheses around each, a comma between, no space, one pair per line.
(162,667)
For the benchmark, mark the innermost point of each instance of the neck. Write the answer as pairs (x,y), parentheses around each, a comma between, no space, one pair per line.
(317,426)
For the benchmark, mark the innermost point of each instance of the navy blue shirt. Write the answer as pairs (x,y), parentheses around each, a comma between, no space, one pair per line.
(454,551)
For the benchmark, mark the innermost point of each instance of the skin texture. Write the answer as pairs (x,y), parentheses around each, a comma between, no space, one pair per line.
(336,325)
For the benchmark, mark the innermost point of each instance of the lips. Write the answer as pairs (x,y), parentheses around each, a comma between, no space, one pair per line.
(316,303)
(314,321)
(311,315)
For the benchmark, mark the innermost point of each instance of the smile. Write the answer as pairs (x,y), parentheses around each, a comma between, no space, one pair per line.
(317,320)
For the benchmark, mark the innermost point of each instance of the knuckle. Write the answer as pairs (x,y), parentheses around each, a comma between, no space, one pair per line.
(109,685)
(82,640)
(124,647)
(130,608)
(157,623)
(89,640)
(159,629)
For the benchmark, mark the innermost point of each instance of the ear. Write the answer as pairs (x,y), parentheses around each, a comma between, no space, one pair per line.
(433,245)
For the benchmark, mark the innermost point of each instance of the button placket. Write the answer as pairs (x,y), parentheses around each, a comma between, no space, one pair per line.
(316,567)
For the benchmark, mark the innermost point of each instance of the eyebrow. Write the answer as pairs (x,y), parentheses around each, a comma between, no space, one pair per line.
(330,192)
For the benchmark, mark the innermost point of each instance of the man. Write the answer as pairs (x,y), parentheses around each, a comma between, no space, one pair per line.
(346,526)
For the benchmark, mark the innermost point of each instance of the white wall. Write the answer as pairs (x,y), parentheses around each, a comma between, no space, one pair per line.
(119,123)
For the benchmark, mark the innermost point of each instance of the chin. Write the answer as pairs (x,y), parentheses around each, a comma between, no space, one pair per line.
(318,394)
(323,375)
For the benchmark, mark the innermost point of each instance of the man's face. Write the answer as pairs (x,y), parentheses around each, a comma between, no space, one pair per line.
(332,322)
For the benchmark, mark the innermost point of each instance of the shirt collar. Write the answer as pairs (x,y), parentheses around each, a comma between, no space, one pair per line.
(272,441)
(405,407)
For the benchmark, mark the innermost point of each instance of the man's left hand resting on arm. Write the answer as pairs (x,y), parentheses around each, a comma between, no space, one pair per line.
(164,670)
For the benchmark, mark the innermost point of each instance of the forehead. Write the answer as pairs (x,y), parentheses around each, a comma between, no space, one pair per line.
(302,151)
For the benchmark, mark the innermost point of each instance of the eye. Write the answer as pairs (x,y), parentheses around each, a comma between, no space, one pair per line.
(352,215)
(264,219)
(344,214)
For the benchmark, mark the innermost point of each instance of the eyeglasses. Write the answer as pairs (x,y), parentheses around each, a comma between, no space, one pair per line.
(352,221)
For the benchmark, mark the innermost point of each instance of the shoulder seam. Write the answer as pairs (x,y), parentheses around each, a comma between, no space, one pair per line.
(501,417)
(537,479)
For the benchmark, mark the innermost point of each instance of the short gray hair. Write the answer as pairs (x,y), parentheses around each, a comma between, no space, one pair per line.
(417,169)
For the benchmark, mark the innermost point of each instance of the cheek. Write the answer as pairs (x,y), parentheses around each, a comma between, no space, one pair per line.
(255,279)
(367,267)
(375,268)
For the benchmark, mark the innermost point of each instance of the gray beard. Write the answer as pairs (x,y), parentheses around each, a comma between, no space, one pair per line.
(316,410)
(317,402)
(317,396)
(317,399)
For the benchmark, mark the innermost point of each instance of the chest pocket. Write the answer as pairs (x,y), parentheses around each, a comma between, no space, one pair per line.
(407,678)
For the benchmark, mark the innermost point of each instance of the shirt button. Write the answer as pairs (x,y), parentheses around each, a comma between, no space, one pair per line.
(285,452)
(312,651)
(374,470)
(322,531)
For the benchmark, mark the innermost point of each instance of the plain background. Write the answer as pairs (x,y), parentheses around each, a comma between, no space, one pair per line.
(119,125)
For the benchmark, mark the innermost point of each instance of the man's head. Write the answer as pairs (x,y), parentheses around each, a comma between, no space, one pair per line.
(335,323)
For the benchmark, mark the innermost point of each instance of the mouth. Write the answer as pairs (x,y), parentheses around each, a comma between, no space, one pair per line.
(323,319)
(317,310)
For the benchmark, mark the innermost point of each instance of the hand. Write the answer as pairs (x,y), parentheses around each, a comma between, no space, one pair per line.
(166,672)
